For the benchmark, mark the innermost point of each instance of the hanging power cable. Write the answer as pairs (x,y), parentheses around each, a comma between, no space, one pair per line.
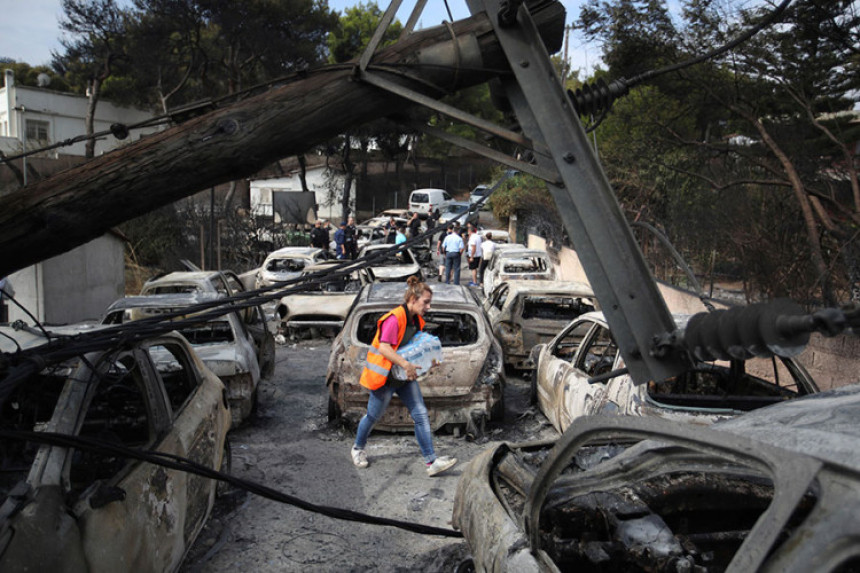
(184,464)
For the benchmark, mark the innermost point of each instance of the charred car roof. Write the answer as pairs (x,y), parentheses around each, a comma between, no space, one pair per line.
(391,294)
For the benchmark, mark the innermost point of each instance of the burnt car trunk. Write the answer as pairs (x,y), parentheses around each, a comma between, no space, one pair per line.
(462,392)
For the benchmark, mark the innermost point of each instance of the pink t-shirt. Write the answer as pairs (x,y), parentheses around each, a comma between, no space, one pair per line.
(388,330)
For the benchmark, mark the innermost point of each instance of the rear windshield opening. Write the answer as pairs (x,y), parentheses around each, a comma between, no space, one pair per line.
(396,259)
(208,332)
(530,265)
(452,328)
(700,518)
(339,284)
(286,265)
(555,307)
(420,198)
(172,289)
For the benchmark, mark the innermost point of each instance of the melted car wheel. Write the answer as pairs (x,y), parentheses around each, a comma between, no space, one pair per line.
(334,412)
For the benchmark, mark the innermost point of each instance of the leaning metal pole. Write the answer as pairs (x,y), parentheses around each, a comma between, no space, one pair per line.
(612,260)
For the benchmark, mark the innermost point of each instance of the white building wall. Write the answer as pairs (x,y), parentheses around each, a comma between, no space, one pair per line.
(65,115)
(320,180)
(72,287)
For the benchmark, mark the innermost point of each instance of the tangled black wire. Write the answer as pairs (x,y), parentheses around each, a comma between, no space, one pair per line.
(184,464)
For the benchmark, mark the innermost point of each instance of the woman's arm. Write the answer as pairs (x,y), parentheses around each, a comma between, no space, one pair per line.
(388,352)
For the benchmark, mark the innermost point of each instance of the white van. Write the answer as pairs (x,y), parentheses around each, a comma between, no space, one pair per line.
(425,201)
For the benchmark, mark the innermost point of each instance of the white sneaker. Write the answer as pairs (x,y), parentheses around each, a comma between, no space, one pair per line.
(359,458)
(440,464)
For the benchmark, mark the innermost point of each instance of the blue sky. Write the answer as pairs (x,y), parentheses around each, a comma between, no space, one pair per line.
(29,29)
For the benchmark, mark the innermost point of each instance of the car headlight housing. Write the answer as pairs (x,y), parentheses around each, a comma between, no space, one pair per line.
(492,368)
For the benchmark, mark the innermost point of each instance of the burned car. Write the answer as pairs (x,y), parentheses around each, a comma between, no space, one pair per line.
(369,235)
(526,313)
(773,490)
(463,212)
(464,391)
(394,266)
(71,509)
(567,382)
(224,283)
(223,343)
(514,263)
(323,304)
(287,263)
(221,283)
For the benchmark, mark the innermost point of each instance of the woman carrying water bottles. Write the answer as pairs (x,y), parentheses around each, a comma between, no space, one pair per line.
(393,330)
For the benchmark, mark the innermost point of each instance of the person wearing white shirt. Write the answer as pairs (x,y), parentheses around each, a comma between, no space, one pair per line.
(475,254)
(489,248)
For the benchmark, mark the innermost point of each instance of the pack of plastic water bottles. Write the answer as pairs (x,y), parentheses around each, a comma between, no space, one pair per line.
(423,351)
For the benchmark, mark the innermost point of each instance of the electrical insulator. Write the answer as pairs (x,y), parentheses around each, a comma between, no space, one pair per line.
(594,98)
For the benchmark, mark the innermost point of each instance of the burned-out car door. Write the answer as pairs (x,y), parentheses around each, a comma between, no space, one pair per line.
(495,303)
(583,350)
(126,514)
(255,321)
(150,513)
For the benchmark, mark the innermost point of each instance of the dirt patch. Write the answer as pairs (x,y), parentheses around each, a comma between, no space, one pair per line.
(290,445)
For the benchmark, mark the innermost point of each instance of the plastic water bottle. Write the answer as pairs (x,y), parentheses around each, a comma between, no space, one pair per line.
(423,351)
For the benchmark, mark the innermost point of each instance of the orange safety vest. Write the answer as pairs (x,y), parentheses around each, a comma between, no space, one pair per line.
(376,370)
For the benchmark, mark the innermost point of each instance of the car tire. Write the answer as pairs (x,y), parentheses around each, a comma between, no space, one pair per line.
(467,565)
(255,398)
(533,390)
(476,427)
(334,412)
(497,413)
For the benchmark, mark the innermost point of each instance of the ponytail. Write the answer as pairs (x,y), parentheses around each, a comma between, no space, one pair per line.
(415,288)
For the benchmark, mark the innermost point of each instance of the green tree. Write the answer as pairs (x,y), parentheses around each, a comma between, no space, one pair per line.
(355,28)
(346,41)
(637,35)
(165,40)
(95,44)
(27,75)
(763,119)
(528,198)
(257,40)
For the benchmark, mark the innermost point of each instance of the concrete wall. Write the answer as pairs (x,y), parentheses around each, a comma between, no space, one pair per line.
(72,287)
(833,362)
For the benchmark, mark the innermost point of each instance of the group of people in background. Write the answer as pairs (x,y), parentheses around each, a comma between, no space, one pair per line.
(457,242)
(345,238)
(453,244)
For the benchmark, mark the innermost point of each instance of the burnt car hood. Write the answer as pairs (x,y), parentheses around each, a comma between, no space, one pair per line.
(318,303)
(804,454)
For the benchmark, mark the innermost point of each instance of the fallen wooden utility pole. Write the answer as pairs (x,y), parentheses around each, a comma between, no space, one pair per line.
(73,207)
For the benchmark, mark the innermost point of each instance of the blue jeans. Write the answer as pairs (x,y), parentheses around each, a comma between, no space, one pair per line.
(452,261)
(410,395)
